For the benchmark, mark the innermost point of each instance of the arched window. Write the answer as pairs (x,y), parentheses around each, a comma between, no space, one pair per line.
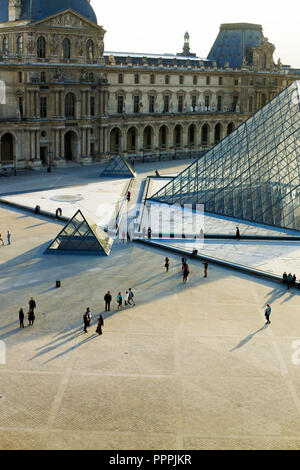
(70,105)
(67,48)
(90,50)
(41,48)
(20,46)
(5,44)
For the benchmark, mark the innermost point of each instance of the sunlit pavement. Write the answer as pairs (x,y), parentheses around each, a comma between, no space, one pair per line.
(190,367)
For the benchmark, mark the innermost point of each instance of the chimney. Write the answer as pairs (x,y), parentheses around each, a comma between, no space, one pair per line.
(14,10)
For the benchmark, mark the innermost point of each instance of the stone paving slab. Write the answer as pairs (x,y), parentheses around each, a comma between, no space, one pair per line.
(191,366)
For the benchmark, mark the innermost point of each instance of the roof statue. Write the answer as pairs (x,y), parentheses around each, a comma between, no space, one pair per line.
(253,173)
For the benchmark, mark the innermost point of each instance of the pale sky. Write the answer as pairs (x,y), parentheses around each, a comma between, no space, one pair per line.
(158,26)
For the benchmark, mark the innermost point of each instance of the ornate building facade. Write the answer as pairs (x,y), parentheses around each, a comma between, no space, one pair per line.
(64,99)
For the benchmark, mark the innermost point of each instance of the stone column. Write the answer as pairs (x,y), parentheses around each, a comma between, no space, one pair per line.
(37,144)
(62,144)
(88,144)
(88,97)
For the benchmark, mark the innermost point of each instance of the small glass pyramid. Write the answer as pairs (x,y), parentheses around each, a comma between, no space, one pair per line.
(81,235)
(118,168)
(252,174)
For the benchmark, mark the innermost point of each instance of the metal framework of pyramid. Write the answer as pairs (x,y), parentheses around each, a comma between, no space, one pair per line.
(81,235)
(252,174)
(118,168)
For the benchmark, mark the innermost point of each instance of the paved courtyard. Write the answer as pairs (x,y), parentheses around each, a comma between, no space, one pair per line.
(190,367)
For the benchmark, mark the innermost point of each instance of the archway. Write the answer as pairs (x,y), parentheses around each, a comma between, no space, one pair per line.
(71,146)
(148,138)
(115,140)
(163,137)
(218,133)
(7,148)
(192,135)
(178,136)
(230,128)
(205,135)
(131,139)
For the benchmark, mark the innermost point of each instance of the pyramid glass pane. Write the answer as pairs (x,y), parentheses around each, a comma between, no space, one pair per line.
(81,235)
(118,168)
(252,174)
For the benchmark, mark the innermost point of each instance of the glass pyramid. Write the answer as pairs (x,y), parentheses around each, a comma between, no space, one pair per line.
(118,168)
(252,174)
(81,235)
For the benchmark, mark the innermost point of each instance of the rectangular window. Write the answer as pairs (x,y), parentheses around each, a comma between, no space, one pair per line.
(167,79)
(181,79)
(220,81)
(207,80)
(120,104)
(43,77)
(207,101)
(20,77)
(195,80)
(136,104)
(152,79)
(180,104)
(194,101)
(151,104)
(92,105)
(120,78)
(236,82)
(43,107)
(136,78)
(166,104)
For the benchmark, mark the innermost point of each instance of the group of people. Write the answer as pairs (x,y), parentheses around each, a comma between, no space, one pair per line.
(289,280)
(87,318)
(128,300)
(8,236)
(31,313)
(185,267)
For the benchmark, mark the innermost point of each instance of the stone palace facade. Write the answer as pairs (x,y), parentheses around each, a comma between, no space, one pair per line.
(64,99)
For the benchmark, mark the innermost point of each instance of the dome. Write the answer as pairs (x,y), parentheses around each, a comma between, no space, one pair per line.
(36,10)
(234,42)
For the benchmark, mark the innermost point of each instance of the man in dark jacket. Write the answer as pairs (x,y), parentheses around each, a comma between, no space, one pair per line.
(32,305)
(107,299)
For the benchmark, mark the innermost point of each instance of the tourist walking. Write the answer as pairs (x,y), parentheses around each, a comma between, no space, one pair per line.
(8,238)
(268,312)
(128,196)
(131,296)
(99,325)
(126,299)
(294,279)
(149,233)
(31,317)
(205,264)
(21,318)
(87,319)
(167,264)
(1,239)
(120,301)
(238,234)
(107,299)
(32,304)
(185,274)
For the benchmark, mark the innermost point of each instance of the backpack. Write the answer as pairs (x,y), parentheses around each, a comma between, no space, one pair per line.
(131,295)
